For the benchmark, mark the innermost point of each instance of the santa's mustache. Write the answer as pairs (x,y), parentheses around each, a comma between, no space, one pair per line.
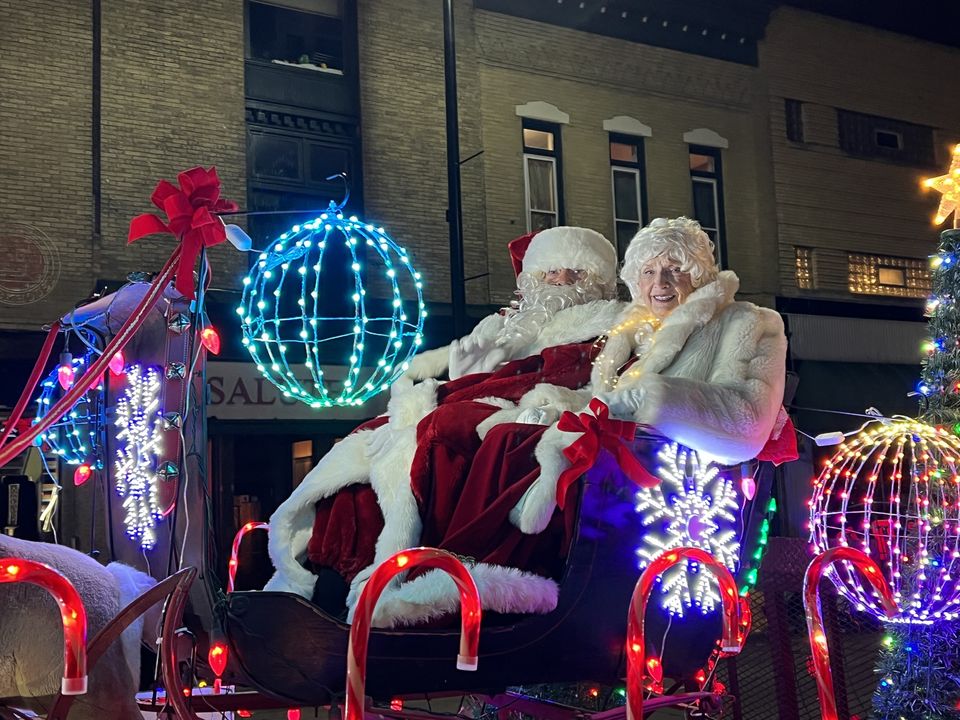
(539,302)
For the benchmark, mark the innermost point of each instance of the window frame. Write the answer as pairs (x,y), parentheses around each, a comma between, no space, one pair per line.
(639,170)
(555,158)
(715,179)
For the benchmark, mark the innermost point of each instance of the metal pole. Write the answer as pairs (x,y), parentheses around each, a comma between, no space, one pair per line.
(454,210)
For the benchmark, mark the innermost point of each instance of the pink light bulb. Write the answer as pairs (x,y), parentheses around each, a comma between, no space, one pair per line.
(117,363)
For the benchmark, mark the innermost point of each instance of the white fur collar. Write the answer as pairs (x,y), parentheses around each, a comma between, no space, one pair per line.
(699,309)
(576,324)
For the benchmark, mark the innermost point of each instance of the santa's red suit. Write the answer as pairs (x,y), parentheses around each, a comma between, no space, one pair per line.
(399,480)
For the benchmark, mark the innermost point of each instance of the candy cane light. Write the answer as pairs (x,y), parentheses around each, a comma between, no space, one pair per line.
(870,574)
(893,493)
(731,640)
(72,614)
(235,550)
(363,615)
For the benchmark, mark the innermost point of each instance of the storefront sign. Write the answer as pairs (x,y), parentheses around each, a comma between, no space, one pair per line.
(238,392)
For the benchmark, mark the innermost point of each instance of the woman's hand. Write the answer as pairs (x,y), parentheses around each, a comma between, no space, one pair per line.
(623,404)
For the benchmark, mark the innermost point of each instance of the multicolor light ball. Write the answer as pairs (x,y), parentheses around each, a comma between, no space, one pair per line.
(894,493)
(306,311)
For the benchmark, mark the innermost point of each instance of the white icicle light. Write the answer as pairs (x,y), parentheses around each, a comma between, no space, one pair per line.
(694,505)
(139,441)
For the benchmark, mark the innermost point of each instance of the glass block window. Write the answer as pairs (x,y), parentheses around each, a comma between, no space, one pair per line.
(804,267)
(889,276)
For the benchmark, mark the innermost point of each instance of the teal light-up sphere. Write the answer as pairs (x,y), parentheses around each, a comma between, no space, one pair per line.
(333,311)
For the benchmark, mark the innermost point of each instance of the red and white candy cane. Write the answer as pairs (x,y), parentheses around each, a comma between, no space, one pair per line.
(381,577)
(72,614)
(237,539)
(731,640)
(811,605)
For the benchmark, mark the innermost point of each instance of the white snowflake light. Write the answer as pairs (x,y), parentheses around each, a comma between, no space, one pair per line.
(139,437)
(694,505)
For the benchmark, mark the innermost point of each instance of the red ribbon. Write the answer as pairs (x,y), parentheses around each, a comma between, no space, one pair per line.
(191,216)
(600,432)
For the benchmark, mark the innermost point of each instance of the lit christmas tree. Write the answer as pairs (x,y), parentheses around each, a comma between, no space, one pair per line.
(919,667)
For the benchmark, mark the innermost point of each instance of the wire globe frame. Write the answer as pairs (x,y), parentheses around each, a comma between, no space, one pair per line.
(75,439)
(894,493)
(294,264)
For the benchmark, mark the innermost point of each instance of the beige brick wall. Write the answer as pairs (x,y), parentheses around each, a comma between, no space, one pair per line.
(45,212)
(593,78)
(827,200)
(172,97)
(404,141)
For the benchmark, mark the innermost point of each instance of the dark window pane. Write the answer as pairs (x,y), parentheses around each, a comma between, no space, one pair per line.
(704,204)
(887,139)
(623,152)
(304,38)
(625,196)
(276,157)
(325,161)
(542,221)
(542,184)
(625,233)
(538,139)
(702,163)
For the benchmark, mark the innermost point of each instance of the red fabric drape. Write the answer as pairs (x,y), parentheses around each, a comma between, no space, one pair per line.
(455,478)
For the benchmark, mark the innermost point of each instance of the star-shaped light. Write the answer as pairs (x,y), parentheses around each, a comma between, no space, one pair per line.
(949,186)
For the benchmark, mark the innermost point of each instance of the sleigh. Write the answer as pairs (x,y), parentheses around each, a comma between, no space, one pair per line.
(294,651)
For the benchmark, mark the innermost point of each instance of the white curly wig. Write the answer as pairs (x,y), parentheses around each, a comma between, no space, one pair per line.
(680,239)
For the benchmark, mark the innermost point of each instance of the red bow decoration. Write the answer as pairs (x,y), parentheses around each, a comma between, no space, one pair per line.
(600,432)
(191,216)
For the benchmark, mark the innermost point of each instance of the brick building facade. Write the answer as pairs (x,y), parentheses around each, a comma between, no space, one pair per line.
(802,136)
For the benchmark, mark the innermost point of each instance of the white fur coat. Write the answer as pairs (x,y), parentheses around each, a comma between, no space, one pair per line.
(711,378)
(383,458)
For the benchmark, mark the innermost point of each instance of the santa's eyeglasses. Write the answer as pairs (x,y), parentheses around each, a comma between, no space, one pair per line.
(566,275)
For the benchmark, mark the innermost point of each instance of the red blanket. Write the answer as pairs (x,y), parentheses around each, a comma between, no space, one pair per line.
(456,478)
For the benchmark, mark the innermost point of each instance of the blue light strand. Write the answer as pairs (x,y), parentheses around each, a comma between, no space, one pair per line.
(265,333)
(73,439)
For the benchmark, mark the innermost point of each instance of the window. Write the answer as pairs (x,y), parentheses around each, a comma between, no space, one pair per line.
(542,175)
(307,34)
(879,138)
(890,276)
(628,181)
(804,267)
(707,179)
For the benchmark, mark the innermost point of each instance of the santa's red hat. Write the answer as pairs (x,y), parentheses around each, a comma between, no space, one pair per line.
(565,247)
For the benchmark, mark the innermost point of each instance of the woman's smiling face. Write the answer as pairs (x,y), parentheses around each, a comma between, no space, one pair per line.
(663,285)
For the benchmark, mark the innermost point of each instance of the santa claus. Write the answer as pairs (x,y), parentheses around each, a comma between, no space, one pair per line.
(397,481)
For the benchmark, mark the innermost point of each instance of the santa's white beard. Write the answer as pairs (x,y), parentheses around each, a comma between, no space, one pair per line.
(539,302)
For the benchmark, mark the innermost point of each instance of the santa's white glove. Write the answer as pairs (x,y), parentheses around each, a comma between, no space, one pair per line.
(544,415)
(469,355)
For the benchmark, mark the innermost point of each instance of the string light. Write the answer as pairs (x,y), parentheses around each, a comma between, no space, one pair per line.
(82,474)
(65,371)
(292,321)
(139,438)
(894,493)
(210,339)
(75,438)
(694,505)
(117,363)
